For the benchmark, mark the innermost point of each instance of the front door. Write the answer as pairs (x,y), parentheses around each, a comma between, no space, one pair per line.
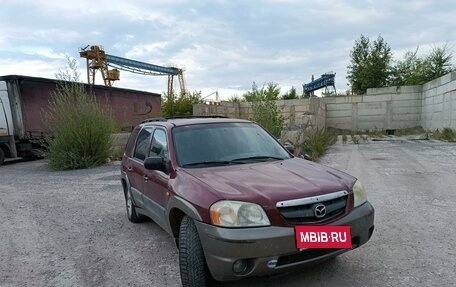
(155,188)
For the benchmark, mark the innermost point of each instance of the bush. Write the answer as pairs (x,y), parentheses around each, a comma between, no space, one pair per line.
(80,129)
(316,143)
(181,105)
(355,138)
(267,114)
(344,138)
(264,108)
(447,134)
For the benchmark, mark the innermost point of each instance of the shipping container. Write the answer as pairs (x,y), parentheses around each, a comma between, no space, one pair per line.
(25,100)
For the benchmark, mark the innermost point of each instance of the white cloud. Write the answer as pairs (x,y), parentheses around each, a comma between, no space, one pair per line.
(33,68)
(222,45)
(42,52)
(146,50)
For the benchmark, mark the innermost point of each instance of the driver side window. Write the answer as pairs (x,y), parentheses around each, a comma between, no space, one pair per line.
(142,144)
(159,146)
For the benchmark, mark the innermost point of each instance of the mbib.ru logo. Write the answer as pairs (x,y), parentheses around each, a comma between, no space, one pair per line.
(323,237)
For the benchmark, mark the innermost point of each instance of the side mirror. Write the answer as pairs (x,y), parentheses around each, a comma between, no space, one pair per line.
(154,163)
(289,146)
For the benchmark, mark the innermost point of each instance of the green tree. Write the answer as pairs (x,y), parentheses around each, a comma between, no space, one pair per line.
(267,114)
(270,92)
(291,94)
(264,107)
(414,70)
(181,105)
(439,63)
(408,71)
(370,64)
(235,99)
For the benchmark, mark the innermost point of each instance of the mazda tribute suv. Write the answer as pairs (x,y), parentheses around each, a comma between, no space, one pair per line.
(236,201)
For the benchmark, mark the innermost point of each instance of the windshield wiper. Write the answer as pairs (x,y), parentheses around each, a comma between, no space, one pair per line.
(214,162)
(241,160)
(257,158)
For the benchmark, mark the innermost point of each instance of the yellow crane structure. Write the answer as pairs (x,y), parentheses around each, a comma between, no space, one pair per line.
(97,59)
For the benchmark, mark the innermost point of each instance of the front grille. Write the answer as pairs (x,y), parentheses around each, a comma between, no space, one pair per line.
(303,256)
(303,214)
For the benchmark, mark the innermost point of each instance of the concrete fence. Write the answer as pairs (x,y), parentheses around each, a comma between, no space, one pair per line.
(431,106)
(299,114)
(439,103)
(378,109)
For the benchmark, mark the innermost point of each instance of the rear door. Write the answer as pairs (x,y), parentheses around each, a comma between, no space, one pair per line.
(135,166)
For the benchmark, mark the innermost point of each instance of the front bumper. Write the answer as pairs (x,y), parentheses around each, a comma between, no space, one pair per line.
(272,249)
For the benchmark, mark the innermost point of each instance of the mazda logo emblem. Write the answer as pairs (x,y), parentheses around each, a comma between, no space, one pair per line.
(319,210)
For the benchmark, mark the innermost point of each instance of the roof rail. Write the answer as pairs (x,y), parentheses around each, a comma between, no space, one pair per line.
(181,117)
(195,117)
(154,120)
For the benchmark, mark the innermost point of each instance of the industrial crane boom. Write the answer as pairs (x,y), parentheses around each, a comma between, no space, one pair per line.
(97,59)
(325,81)
(140,67)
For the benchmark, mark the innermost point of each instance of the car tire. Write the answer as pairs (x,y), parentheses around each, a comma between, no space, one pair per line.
(2,156)
(192,264)
(132,215)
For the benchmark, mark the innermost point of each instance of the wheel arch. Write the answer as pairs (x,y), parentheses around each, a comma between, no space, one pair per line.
(6,149)
(125,183)
(178,208)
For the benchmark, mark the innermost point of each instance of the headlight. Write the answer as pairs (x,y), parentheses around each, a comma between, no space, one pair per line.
(359,193)
(229,213)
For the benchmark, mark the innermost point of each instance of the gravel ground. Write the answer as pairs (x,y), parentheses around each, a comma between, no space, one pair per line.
(70,228)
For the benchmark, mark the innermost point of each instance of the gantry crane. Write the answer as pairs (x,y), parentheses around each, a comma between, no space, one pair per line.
(325,81)
(97,59)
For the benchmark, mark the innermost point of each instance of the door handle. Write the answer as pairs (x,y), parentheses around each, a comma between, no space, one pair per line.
(130,168)
(146,178)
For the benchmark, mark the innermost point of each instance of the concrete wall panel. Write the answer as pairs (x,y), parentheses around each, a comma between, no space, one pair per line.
(377,98)
(432,105)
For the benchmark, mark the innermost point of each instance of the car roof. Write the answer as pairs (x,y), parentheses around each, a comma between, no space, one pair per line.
(184,121)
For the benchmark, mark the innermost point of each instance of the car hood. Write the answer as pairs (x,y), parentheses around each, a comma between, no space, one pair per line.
(269,182)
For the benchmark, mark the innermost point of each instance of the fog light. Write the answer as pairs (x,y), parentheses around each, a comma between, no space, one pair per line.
(240,266)
(272,263)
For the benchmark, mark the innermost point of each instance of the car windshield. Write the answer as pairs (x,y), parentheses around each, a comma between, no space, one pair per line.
(225,144)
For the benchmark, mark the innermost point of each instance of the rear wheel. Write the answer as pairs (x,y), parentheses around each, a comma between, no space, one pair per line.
(192,264)
(2,156)
(131,209)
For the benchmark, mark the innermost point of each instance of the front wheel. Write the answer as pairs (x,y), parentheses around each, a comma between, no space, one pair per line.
(192,264)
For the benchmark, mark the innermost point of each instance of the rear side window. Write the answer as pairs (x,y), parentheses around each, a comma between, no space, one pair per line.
(131,142)
(142,144)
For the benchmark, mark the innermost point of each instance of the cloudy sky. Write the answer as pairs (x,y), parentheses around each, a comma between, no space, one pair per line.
(223,45)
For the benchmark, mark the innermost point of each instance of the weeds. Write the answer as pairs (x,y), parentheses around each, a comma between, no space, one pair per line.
(267,114)
(316,143)
(409,131)
(377,133)
(80,129)
(355,138)
(447,134)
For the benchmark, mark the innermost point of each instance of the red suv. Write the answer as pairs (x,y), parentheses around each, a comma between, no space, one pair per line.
(234,199)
